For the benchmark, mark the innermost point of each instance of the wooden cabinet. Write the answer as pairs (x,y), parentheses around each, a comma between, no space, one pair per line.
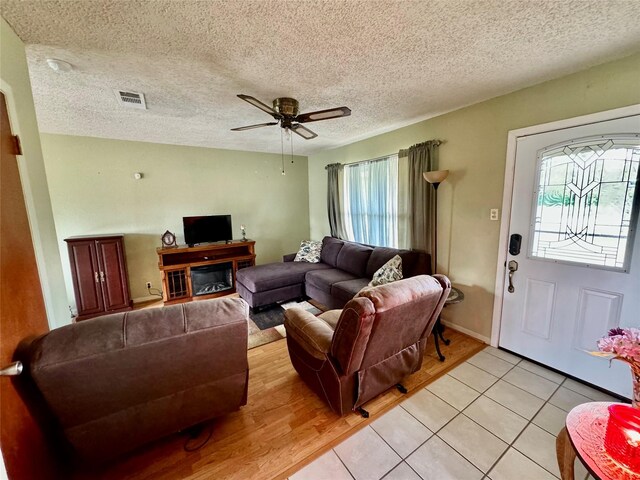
(205,271)
(99,273)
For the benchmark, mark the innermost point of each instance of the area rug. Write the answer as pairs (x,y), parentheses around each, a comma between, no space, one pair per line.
(266,326)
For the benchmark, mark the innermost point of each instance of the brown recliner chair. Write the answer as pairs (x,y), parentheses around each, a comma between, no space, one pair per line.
(349,356)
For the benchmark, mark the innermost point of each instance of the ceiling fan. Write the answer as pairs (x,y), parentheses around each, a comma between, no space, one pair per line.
(285,111)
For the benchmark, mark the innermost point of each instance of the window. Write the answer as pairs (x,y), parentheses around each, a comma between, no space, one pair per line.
(371,201)
(585,204)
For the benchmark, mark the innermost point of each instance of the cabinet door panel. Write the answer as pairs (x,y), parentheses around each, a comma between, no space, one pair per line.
(85,268)
(114,276)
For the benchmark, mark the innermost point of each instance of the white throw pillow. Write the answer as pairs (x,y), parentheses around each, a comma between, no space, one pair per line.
(389,272)
(309,252)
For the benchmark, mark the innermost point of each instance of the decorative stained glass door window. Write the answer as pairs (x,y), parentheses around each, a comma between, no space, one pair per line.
(586,201)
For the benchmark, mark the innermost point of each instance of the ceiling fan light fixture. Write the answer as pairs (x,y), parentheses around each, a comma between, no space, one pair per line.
(288,107)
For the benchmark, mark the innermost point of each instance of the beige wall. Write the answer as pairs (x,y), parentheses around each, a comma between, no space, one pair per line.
(474,150)
(93,191)
(15,84)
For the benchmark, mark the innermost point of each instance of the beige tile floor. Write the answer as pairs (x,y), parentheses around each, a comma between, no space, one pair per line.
(494,417)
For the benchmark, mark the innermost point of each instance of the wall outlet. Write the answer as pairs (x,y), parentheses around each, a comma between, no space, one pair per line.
(494,214)
(148,285)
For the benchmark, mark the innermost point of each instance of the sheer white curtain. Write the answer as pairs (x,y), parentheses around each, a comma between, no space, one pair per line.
(371,201)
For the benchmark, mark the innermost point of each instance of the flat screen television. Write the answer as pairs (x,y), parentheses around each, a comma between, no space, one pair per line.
(205,229)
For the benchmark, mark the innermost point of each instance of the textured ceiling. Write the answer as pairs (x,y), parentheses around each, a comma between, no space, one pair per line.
(391,62)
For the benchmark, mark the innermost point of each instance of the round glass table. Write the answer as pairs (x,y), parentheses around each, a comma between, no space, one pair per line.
(607,446)
(455,296)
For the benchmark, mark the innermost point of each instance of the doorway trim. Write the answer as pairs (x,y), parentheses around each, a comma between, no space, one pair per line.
(507,195)
(43,272)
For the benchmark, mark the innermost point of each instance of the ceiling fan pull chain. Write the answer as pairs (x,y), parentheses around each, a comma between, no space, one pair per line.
(291,140)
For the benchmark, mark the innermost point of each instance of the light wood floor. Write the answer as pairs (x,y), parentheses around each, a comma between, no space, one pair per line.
(283,427)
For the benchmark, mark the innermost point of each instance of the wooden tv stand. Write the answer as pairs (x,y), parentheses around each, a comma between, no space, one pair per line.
(183,269)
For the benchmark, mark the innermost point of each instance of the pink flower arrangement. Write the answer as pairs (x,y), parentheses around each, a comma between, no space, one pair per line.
(622,344)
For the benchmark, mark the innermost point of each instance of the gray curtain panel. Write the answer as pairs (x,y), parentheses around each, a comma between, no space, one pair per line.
(422,158)
(334,209)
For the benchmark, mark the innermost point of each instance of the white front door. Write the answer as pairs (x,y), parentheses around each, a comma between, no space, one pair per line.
(575,204)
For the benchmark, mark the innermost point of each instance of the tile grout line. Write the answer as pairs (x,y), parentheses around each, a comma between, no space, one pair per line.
(530,422)
(443,426)
(451,420)
(562,382)
(460,453)
(521,359)
(402,459)
(343,464)
(455,416)
(459,412)
(435,434)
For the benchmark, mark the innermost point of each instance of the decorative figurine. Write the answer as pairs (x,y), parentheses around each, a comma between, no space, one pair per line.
(244,233)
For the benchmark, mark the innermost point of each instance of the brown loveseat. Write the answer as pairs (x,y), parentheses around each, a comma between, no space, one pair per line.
(349,356)
(116,382)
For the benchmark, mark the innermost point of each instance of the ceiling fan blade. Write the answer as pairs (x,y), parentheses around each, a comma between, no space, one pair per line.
(262,106)
(304,132)
(323,114)
(249,127)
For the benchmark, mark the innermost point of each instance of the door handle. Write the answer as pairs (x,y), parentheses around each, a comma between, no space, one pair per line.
(513,267)
(11,370)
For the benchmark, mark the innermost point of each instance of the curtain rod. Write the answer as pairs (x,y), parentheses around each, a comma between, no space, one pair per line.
(377,159)
(437,143)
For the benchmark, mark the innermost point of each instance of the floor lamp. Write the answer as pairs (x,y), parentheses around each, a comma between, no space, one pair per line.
(435,178)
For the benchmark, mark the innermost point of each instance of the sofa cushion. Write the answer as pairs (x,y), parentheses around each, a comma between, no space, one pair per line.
(353,258)
(331,247)
(379,257)
(323,279)
(382,255)
(309,252)
(389,272)
(414,263)
(346,290)
(275,275)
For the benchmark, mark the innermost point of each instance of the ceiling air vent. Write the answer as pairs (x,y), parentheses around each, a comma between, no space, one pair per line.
(131,99)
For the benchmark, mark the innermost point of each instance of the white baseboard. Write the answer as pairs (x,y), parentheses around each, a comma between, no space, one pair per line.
(466,331)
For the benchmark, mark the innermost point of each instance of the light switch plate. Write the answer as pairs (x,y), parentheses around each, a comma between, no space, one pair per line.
(494,214)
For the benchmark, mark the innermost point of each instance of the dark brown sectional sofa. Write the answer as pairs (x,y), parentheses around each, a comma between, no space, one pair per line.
(344,269)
